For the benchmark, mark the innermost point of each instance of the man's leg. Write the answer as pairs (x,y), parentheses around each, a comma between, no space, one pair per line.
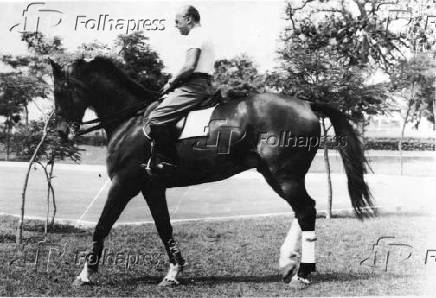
(164,150)
(162,121)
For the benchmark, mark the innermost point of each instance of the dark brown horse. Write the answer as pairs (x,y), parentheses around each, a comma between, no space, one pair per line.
(277,135)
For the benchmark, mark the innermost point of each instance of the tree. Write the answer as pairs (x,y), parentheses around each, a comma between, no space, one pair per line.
(361,30)
(414,85)
(41,144)
(36,141)
(19,236)
(427,93)
(35,64)
(413,77)
(28,82)
(16,91)
(90,50)
(239,72)
(141,62)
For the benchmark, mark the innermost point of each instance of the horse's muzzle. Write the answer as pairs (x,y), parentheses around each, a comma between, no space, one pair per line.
(62,129)
(67,131)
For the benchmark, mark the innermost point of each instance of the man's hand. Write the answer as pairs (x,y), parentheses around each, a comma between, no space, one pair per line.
(168,86)
(188,68)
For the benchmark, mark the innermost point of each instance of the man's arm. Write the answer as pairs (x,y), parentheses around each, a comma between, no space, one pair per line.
(188,68)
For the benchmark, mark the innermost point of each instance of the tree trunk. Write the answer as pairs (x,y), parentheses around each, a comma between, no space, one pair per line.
(26,115)
(400,143)
(50,185)
(27,136)
(48,201)
(400,146)
(434,110)
(48,171)
(403,128)
(8,139)
(362,132)
(329,178)
(19,234)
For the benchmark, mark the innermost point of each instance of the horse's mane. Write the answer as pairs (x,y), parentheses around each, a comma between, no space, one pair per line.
(108,66)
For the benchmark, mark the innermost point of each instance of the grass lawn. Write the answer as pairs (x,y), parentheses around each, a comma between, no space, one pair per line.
(231,258)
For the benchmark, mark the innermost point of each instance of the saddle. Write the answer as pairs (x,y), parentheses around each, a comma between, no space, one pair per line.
(196,122)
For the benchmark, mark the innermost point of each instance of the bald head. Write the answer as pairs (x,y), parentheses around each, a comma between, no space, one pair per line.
(190,11)
(187,17)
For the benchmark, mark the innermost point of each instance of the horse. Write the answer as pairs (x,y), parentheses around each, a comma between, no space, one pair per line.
(269,132)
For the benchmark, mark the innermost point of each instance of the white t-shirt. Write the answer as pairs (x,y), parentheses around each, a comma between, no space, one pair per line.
(199,39)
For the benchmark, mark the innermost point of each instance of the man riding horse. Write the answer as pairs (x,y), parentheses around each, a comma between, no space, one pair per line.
(186,89)
(100,85)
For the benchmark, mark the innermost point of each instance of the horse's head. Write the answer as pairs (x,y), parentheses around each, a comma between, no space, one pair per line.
(70,96)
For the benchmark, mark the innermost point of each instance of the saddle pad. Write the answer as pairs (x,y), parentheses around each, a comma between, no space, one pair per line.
(197,123)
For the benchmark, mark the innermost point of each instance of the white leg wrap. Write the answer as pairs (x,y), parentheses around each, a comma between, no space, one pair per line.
(308,247)
(172,272)
(291,247)
(84,274)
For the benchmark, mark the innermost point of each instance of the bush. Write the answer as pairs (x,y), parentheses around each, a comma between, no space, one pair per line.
(92,140)
(370,143)
(21,151)
(25,140)
(409,144)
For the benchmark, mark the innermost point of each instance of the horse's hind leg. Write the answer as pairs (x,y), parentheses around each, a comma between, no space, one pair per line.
(120,193)
(156,200)
(291,188)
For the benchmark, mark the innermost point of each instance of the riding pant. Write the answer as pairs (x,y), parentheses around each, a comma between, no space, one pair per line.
(183,99)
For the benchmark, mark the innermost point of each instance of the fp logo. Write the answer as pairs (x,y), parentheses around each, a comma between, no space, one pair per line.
(384,253)
(36,16)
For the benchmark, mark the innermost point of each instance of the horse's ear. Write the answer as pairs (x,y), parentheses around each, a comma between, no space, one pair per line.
(56,67)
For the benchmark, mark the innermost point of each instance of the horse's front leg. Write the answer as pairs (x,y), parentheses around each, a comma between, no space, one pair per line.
(156,200)
(121,191)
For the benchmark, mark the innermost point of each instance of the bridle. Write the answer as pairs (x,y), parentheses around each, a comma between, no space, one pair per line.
(101,122)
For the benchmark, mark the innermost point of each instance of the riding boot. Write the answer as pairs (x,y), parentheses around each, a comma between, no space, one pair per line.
(164,155)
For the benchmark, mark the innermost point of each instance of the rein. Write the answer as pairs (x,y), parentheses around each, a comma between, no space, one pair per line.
(101,122)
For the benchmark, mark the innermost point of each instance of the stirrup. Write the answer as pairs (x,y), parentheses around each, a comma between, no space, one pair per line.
(147,165)
(160,167)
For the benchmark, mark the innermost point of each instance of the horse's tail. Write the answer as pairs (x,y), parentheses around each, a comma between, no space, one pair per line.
(353,158)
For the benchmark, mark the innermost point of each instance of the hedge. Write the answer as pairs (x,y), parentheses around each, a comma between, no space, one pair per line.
(370,143)
(409,144)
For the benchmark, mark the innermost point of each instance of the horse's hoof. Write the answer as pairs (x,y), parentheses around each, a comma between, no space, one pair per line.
(299,283)
(168,283)
(78,282)
(288,272)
